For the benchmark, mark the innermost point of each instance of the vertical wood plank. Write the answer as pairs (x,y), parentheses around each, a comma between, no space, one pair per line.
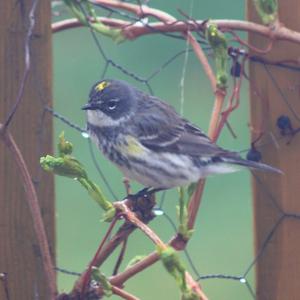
(19,252)
(278,267)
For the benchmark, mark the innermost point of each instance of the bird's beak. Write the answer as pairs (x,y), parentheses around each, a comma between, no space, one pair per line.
(89,106)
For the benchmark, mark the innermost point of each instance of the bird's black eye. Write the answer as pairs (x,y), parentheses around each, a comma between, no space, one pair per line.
(112,104)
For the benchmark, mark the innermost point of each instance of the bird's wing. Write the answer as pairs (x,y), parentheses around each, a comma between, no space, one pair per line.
(158,127)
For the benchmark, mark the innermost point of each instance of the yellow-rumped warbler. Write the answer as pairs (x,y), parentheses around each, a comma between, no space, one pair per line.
(150,142)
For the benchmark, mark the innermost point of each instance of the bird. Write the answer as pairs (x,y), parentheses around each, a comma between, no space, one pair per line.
(150,142)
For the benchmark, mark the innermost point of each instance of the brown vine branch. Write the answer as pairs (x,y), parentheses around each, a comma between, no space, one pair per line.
(34,208)
(203,60)
(133,219)
(123,294)
(133,31)
(122,234)
(118,280)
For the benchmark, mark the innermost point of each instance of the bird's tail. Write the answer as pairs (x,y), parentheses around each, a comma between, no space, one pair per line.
(251,164)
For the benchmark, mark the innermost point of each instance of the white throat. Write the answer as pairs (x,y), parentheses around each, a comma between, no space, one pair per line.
(100,119)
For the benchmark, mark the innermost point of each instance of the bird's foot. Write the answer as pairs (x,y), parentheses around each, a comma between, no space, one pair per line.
(144,193)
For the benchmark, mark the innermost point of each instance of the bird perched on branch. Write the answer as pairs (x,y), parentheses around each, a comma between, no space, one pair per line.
(150,143)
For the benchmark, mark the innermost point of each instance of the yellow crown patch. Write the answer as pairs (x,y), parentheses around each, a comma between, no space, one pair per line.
(101,86)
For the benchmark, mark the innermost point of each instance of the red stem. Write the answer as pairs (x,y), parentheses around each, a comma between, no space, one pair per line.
(123,294)
(87,275)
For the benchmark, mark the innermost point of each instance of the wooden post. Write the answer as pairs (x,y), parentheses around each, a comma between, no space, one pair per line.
(278,267)
(19,253)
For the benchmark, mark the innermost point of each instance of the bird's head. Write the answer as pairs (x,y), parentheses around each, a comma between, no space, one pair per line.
(110,103)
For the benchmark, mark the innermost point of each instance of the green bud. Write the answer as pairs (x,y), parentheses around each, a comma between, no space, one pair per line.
(110,211)
(218,42)
(182,214)
(68,166)
(115,34)
(75,8)
(135,260)
(173,265)
(102,280)
(267,10)
(63,166)
(64,147)
(215,37)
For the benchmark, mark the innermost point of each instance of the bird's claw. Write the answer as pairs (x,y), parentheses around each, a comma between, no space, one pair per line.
(144,193)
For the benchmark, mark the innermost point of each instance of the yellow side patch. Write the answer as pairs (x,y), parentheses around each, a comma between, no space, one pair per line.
(101,86)
(133,147)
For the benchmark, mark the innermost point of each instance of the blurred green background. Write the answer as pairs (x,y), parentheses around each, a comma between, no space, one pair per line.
(223,241)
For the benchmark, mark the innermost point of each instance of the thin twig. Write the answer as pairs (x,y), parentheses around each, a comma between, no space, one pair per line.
(122,234)
(134,269)
(139,10)
(123,294)
(194,203)
(120,257)
(34,208)
(127,186)
(216,112)
(233,102)
(203,60)
(251,47)
(132,218)
(84,279)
